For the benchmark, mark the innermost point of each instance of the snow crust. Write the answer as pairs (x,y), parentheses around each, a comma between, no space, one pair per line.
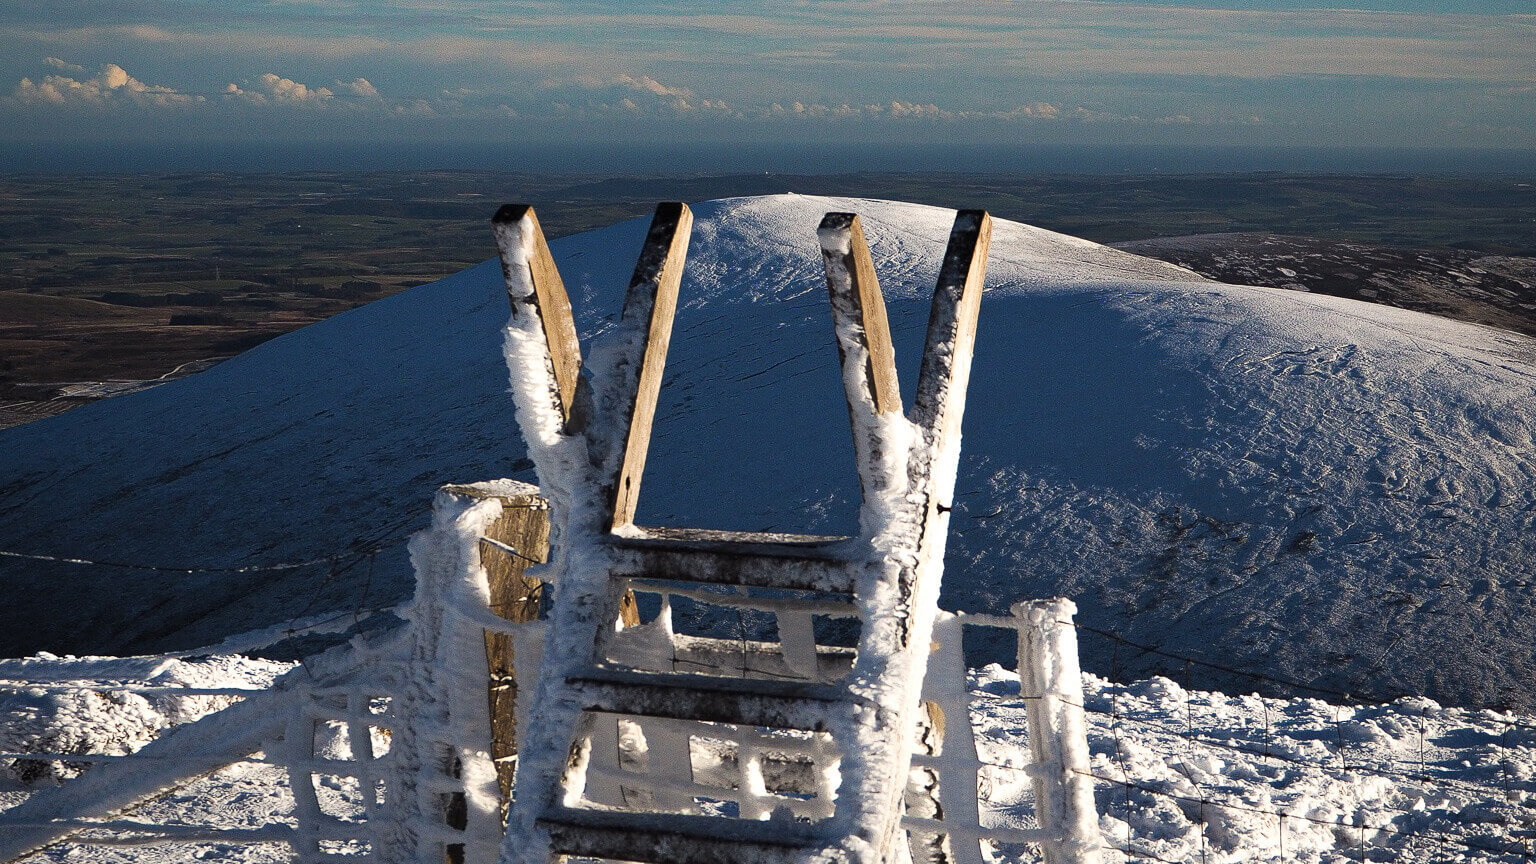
(110,706)
(1426,783)
(1303,486)
(1188,775)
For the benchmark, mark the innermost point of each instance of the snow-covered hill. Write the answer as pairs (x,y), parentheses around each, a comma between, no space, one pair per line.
(1292,484)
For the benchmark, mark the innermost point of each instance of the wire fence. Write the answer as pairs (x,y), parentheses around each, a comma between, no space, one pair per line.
(347,571)
(360,548)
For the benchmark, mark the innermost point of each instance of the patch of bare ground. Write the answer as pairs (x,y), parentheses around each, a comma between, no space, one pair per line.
(51,348)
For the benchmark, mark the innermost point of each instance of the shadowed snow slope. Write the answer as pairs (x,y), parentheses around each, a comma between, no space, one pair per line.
(1294,484)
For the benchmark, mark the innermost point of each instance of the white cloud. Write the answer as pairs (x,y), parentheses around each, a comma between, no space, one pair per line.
(898,109)
(634,94)
(416,108)
(273,89)
(1041,110)
(65,66)
(361,88)
(112,86)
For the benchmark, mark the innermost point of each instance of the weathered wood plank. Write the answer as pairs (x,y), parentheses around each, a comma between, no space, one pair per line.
(521,538)
(672,838)
(518,538)
(534,286)
(649,307)
(780,704)
(858,309)
(781,561)
(946,369)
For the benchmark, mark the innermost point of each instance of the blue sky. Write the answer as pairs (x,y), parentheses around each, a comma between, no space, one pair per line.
(1418,73)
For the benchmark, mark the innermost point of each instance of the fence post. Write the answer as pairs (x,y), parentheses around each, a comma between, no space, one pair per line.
(955,748)
(519,537)
(1052,685)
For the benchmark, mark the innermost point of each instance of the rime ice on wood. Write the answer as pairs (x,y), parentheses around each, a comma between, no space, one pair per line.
(407,710)
(1050,678)
(603,683)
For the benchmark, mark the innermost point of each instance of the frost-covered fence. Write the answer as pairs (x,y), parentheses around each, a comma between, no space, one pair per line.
(379,750)
(387,748)
(947,771)
(321,734)
(509,543)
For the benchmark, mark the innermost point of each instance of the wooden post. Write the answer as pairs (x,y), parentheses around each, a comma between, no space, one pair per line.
(858,309)
(649,306)
(863,345)
(946,369)
(534,288)
(1052,686)
(518,538)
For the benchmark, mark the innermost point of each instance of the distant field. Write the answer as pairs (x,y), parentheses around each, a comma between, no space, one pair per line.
(128,277)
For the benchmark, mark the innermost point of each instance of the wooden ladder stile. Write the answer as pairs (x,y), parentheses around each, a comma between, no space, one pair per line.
(841,723)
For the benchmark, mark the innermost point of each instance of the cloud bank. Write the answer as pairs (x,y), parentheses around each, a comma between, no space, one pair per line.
(112,85)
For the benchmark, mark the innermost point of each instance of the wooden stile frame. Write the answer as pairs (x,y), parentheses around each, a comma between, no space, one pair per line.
(649,307)
(516,225)
(617,441)
(946,369)
(859,307)
(650,304)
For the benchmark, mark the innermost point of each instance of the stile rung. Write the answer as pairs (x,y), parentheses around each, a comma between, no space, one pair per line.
(794,562)
(743,701)
(667,838)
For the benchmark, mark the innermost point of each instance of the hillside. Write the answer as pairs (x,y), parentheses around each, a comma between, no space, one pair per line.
(1301,485)
(1497,290)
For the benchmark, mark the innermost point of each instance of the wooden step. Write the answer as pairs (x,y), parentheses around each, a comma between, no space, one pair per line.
(743,701)
(668,838)
(797,562)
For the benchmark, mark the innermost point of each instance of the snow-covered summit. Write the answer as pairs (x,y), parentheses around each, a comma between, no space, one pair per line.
(1292,484)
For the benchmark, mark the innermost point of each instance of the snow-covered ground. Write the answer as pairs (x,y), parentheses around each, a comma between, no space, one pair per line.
(1187,776)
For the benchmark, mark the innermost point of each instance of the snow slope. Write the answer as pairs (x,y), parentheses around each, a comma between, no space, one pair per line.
(1284,483)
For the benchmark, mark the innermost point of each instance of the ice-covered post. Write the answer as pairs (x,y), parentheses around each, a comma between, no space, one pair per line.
(1052,686)
(444,791)
(517,538)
